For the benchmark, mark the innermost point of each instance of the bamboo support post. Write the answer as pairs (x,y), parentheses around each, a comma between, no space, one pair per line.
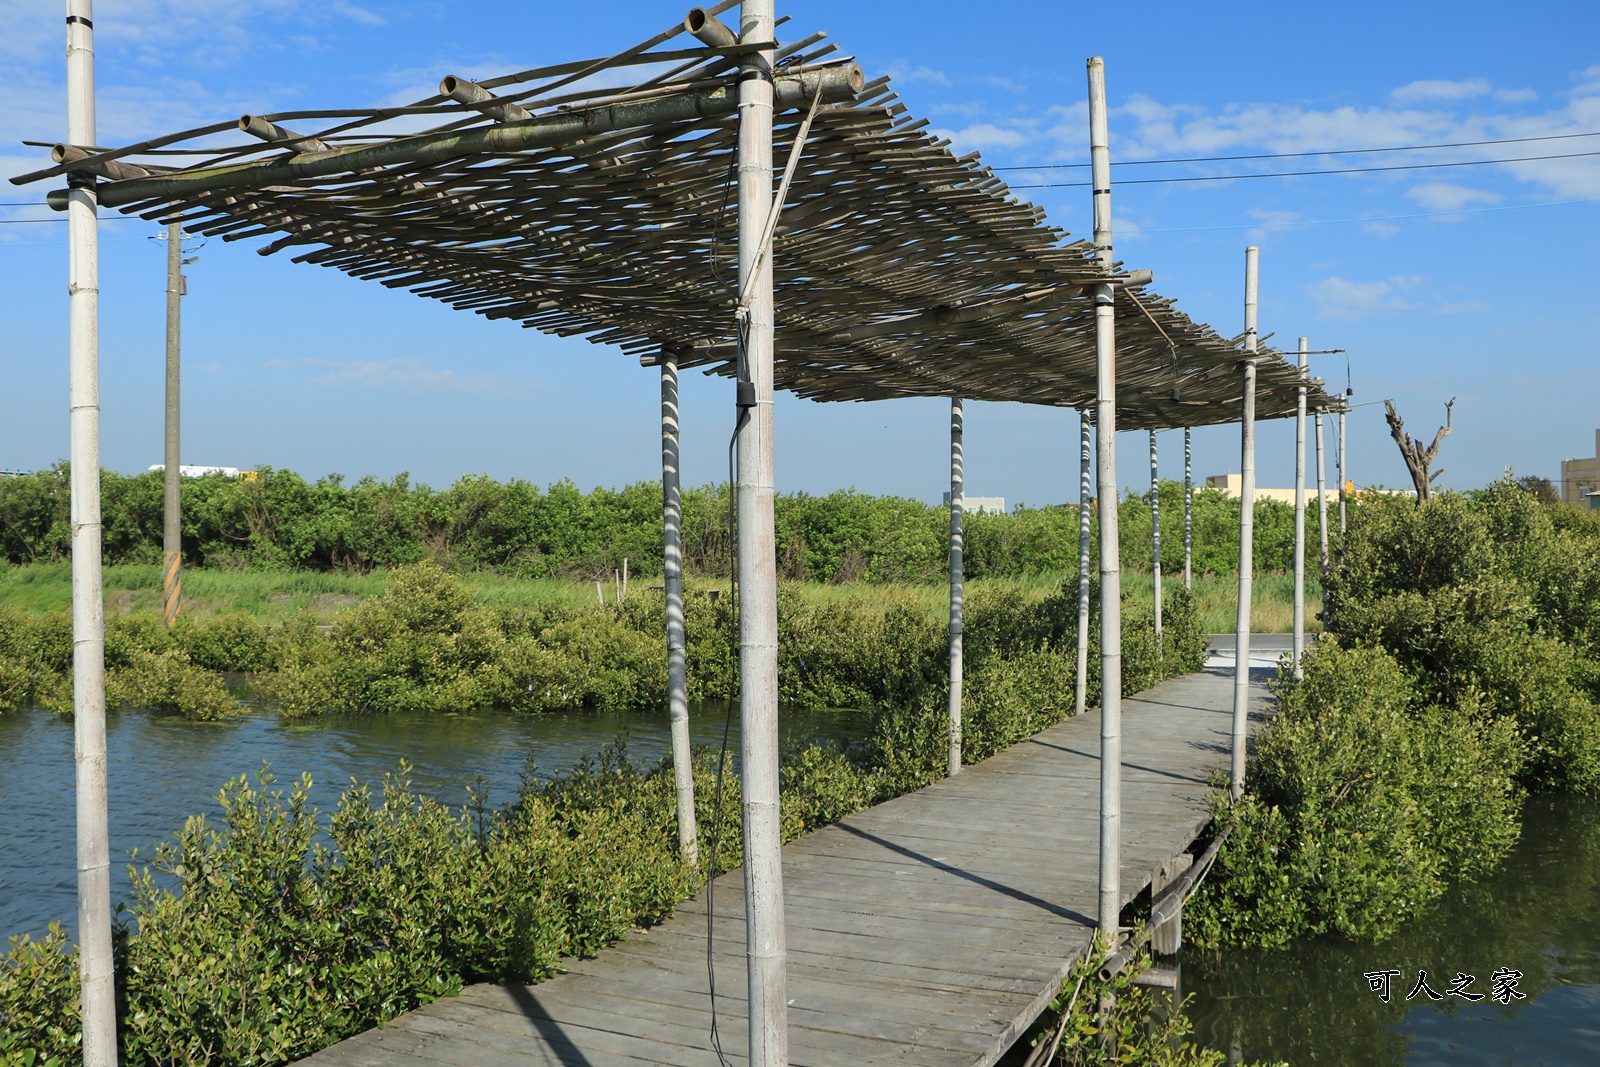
(171,503)
(1247,508)
(1188,508)
(1299,643)
(1085,489)
(95,968)
(1155,532)
(677,635)
(765,947)
(1167,938)
(1322,506)
(1110,897)
(957,513)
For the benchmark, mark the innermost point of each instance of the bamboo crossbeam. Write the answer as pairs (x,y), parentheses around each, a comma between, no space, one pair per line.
(789,91)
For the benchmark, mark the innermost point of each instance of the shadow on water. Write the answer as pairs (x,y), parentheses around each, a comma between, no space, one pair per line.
(1539,914)
(162,769)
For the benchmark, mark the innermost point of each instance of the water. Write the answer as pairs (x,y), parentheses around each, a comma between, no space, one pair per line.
(1538,914)
(163,769)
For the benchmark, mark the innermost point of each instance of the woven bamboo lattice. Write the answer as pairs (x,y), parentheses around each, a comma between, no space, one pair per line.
(606,210)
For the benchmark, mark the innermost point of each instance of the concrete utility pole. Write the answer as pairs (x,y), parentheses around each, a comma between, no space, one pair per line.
(171,509)
(1344,475)
(98,997)
(957,512)
(765,947)
(1110,902)
(677,638)
(1247,511)
(1322,506)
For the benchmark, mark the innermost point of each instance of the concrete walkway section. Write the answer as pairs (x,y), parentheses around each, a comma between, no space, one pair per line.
(929,930)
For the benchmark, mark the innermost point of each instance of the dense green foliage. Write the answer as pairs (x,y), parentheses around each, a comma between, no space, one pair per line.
(1463,671)
(273,933)
(278,519)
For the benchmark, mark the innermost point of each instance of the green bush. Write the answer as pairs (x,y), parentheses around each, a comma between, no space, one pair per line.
(39,1022)
(1358,806)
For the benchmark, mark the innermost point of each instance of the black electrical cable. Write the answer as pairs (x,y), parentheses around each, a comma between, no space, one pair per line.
(1308,173)
(735,612)
(1302,155)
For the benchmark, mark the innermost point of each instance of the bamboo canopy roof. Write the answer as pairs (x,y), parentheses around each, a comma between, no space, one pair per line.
(595,199)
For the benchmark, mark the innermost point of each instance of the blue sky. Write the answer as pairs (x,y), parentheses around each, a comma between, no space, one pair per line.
(1476,281)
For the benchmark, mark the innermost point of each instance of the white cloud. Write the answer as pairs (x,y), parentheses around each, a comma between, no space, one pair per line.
(1341,298)
(902,72)
(1443,196)
(1379,228)
(1440,89)
(403,372)
(986,135)
(1515,96)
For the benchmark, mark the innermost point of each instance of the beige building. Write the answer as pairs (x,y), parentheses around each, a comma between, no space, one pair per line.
(1231,484)
(1580,477)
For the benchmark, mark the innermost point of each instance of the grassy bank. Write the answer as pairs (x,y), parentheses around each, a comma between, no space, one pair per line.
(275,596)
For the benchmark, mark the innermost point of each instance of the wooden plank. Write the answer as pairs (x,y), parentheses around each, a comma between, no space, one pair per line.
(927,931)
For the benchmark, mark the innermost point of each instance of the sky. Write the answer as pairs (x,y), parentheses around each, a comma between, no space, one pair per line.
(1473,281)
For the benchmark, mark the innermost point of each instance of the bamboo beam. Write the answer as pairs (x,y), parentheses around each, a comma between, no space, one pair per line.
(837,84)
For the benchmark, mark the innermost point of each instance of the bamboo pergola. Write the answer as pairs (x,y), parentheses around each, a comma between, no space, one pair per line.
(593,199)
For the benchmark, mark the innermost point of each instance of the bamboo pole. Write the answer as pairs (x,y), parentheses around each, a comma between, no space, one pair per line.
(171,504)
(1155,532)
(1188,508)
(1247,509)
(1322,506)
(95,968)
(957,513)
(1084,491)
(765,949)
(1110,900)
(677,636)
(1300,515)
(787,91)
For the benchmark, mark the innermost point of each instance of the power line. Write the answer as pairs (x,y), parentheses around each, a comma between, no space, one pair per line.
(1368,218)
(1308,173)
(1302,155)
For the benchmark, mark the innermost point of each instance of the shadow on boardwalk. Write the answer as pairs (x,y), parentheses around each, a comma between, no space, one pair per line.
(929,930)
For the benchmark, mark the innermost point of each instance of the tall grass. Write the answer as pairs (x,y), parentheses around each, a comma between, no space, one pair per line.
(276,595)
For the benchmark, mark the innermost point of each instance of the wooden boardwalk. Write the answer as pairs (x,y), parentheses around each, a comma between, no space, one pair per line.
(930,930)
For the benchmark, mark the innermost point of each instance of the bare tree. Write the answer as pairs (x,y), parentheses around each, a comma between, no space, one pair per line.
(1419,459)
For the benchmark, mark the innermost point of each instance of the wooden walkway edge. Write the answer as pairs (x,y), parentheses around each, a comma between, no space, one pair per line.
(929,930)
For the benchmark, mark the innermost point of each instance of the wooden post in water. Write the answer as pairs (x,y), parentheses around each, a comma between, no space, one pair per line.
(1188,509)
(95,975)
(1155,532)
(1247,511)
(957,512)
(1300,514)
(1081,682)
(1322,506)
(765,948)
(677,637)
(1110,898)
(171,506)
(1167,938)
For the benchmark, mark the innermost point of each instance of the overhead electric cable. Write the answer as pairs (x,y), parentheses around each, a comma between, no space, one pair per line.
(1301,155)
(1307,173)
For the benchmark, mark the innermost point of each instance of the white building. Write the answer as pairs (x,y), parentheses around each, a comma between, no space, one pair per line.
(971,505)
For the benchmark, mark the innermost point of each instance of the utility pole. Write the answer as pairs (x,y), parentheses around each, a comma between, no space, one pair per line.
(171,508)
(1247,508)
